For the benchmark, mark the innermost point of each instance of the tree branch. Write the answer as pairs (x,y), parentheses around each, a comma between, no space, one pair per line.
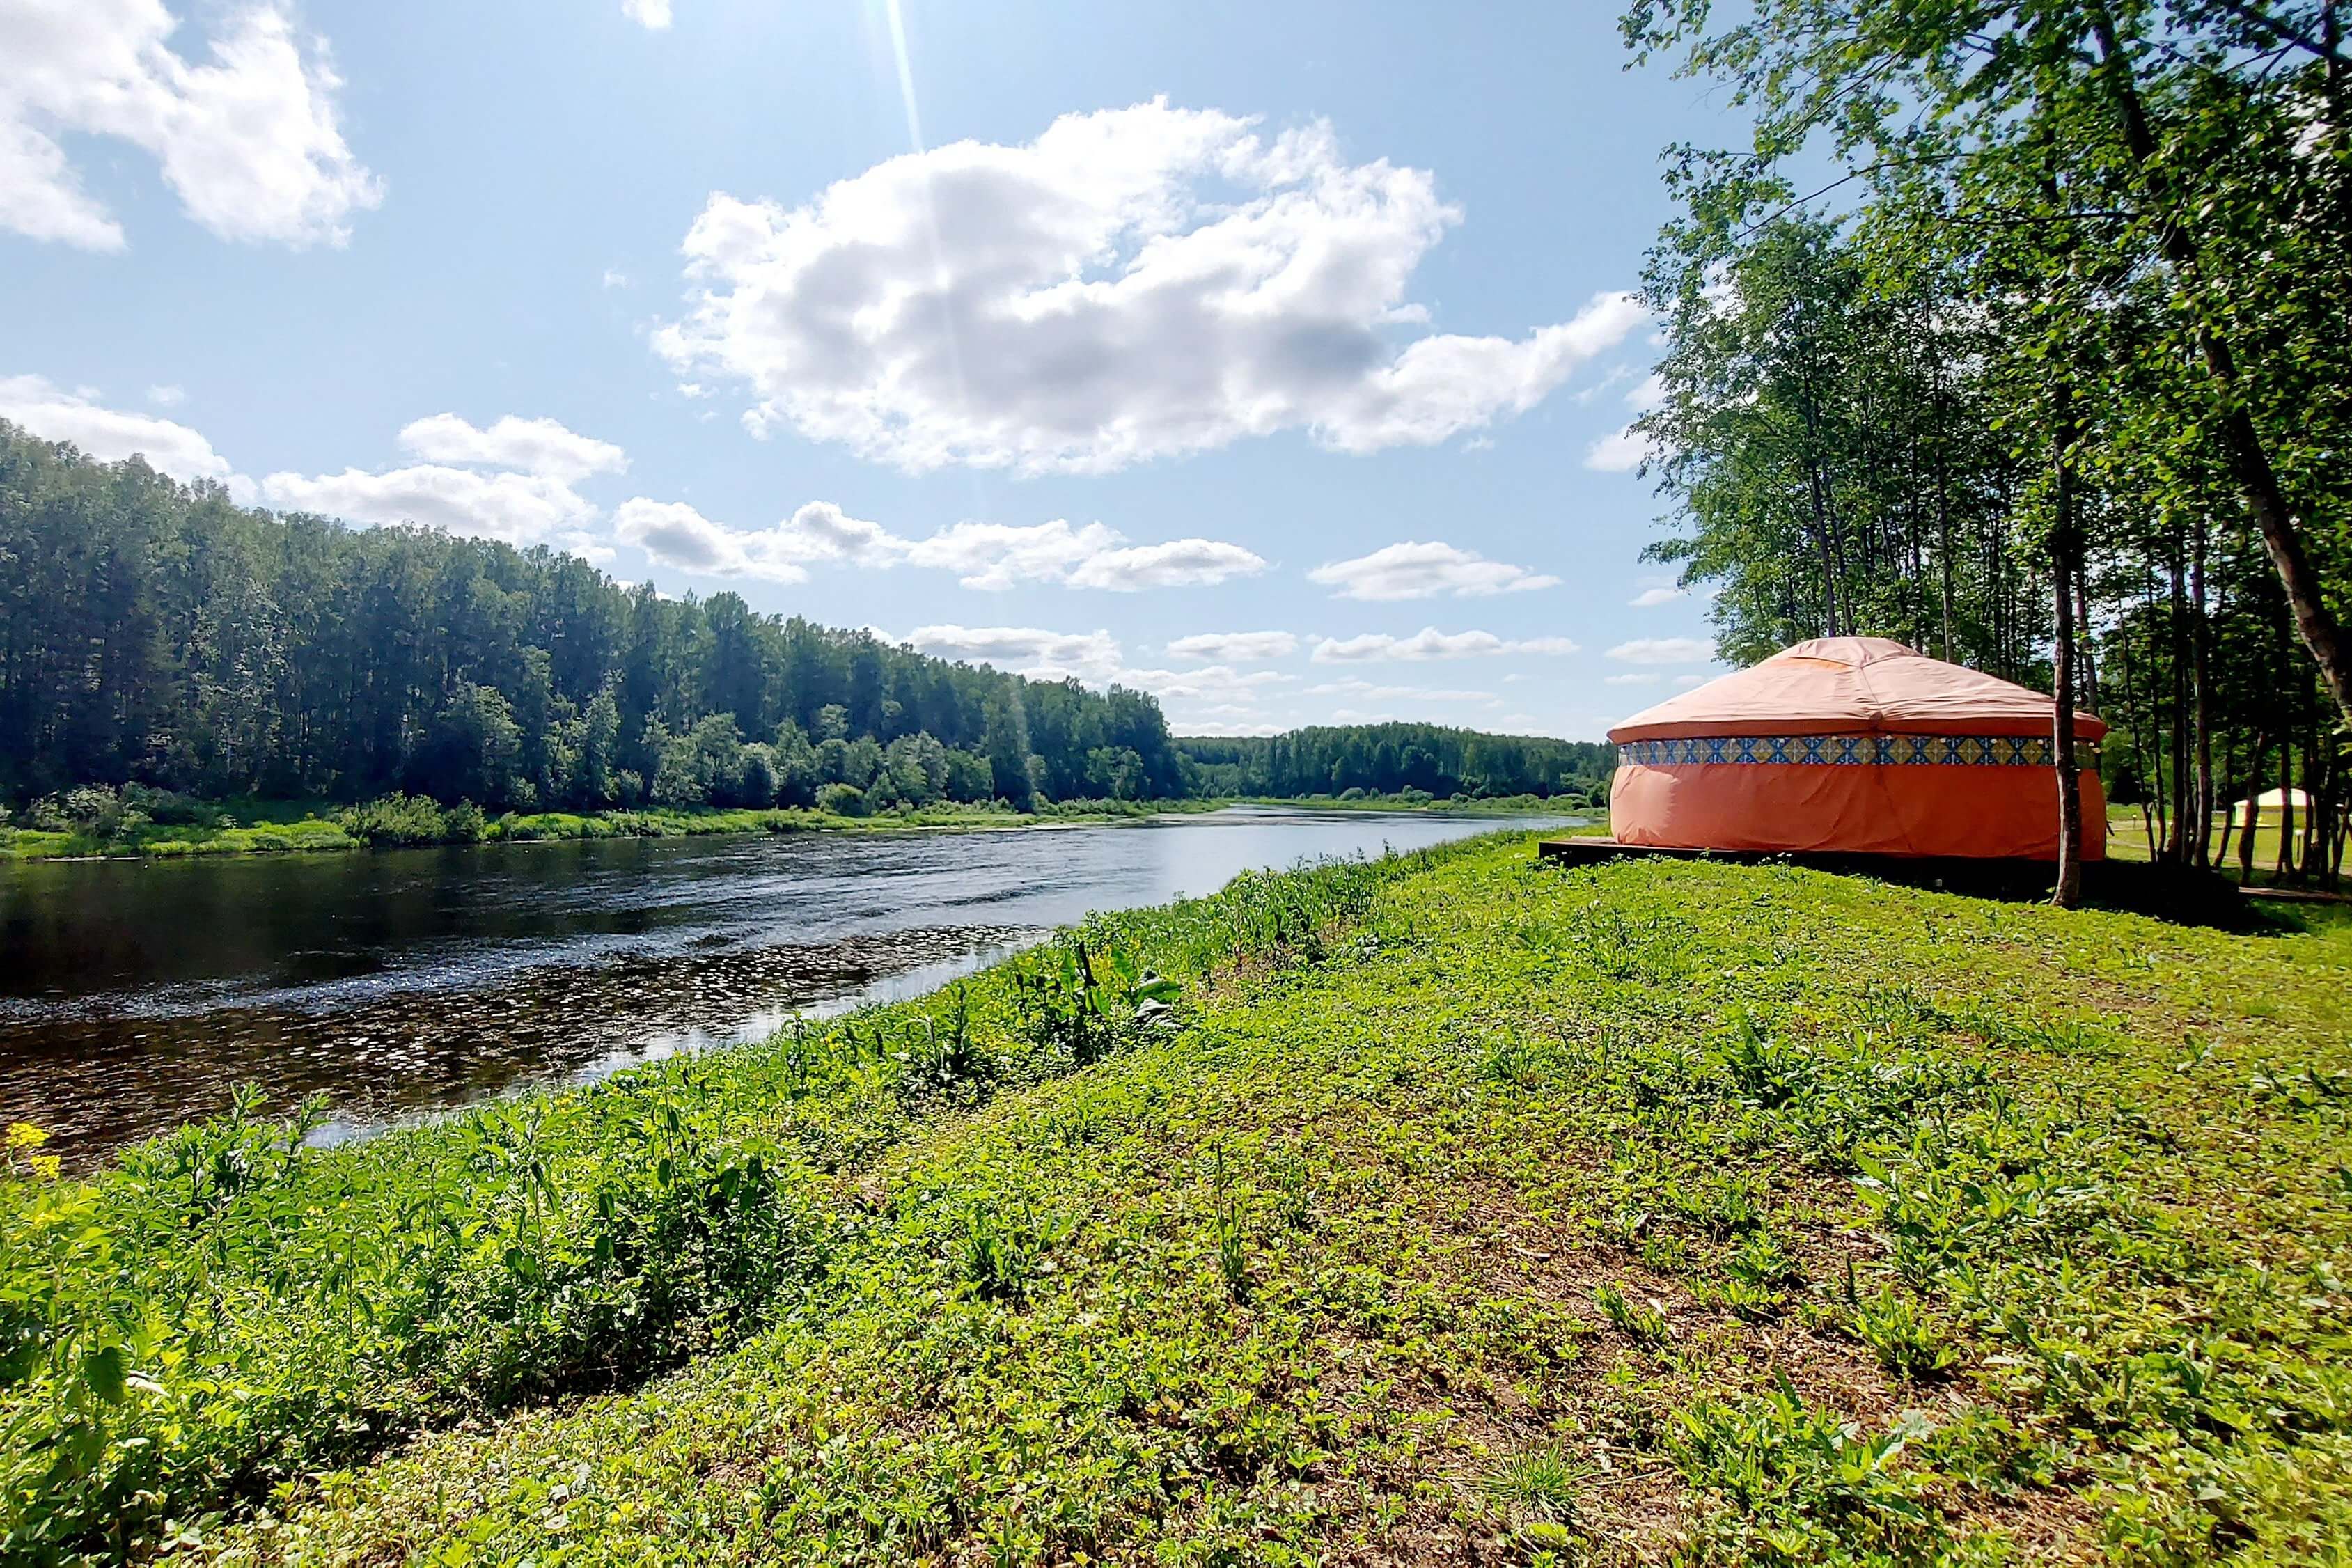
(2258,17)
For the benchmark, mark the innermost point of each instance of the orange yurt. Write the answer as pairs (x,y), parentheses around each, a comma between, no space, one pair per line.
(1853,745)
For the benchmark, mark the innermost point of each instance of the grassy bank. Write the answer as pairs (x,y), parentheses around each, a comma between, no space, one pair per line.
(1457,1208)
(266,827)
(251,827)
(1421,801)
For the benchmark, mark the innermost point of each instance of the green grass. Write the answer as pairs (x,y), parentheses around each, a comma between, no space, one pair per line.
(279,827)
(2127,839)
(1461,1208)
(251,826)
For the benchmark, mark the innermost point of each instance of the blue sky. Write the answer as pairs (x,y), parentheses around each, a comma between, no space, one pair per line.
(1268,357)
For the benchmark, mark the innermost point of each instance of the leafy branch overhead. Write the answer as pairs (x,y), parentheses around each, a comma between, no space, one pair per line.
(2018,330)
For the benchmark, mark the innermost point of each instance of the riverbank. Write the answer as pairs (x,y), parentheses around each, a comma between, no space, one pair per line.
(409,822)
(1453,1204)
(139,995)
(1422,802)
(252,827)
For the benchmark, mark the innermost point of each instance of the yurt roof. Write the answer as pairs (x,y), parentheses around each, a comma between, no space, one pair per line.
(1844,685)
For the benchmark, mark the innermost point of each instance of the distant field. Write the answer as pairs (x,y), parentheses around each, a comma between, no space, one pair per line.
(2127,840)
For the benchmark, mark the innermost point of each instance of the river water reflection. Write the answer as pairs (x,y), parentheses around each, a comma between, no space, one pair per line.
(136,995)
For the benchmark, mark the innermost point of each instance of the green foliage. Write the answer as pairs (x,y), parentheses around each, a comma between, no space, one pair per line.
(1908,1342)
(1230,1205)
(1002,1252)
(2055,327)
(843,800)
(1082,1003)
(1794,1483)
(1408,765)
(394,820)
(291,656)
(1291,1276)
(1639,1321)
(226,1307)
(1539,1487)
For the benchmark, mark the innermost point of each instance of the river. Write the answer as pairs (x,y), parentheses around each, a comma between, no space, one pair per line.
(138,995)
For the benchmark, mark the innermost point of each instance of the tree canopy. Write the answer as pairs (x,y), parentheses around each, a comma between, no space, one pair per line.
(1389,759)
(157,633)
(2018,332)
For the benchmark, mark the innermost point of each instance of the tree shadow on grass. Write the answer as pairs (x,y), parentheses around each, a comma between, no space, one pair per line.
(2179,895)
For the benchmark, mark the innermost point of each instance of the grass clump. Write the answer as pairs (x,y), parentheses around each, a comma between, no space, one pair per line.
(1458,1209)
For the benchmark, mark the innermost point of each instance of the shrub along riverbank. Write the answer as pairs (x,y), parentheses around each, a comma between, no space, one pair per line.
(99,823)
(134,822)
(1452,1208)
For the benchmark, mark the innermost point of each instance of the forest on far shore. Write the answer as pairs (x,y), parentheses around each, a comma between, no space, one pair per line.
(156,635)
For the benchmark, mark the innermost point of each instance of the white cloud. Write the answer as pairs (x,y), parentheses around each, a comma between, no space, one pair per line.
(107,434)
(533,446)
(1025,650)
(1663,650)
(1229,689)
(616,279)
(1135,283)
(991,556)
(673,534)
(166,396)
(1416,570)
(1650,598)
(520,509)
(1430,643)
(1619,452)
(1226,728)
(1178,563)
(653,14)
(248,141)
(1234,647)
(821,530)
(1635,677)
(1690,681)
(995,556)
(1217,699)
(1377,693)
(534,505)
(1618,377)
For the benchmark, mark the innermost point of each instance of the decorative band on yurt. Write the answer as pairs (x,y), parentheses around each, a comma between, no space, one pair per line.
(1852,751)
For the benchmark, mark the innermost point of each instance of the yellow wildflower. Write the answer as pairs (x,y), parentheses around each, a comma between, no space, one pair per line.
(24,1135)
(47,1166)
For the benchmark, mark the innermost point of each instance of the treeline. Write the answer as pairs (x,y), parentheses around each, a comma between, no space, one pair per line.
(1394,759)
(2056,381)
(158,634)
